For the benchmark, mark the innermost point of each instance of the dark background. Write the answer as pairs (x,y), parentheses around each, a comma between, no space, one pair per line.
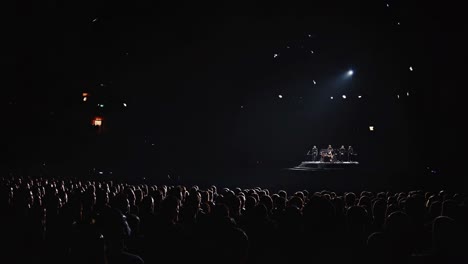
(201,87)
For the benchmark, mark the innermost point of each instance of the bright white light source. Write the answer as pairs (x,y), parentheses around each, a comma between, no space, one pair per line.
(280,96)
(331,97)
(371,128)
(344,96)
(388,5)
(124,104)
(411,68)
(275,55)
(312,52)
(350,72)
(314,82)
(407,93)
(398,96)
(359,96)
(85,99)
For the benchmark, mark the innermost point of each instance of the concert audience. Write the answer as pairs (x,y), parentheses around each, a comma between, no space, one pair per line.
(74,221)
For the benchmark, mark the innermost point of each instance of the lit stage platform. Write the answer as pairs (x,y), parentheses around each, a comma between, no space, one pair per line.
(320,165)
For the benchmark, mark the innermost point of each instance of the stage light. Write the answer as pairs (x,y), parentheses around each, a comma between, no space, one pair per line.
(407,93)
(85,99)
(371,128)
(344,96)
(411,68)
(97,121)
(398,96)
(359,96)
(350,72)
(331,97)
(280,96)
(124,104)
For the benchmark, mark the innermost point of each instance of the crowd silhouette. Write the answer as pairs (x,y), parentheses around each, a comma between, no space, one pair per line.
(79,221)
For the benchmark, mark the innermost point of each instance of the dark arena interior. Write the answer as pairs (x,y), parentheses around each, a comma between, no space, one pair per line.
(231,132)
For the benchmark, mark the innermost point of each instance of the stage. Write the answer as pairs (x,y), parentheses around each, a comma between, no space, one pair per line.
(321,165)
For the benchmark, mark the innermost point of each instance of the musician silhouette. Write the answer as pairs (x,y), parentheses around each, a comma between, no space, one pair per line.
(330,154)
(342,152)
(314,153)
(329,150)
(350,153)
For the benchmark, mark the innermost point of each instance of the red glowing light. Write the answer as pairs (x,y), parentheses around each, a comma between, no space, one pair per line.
(97,121)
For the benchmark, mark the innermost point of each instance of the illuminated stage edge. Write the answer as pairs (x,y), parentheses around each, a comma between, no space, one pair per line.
(320,165)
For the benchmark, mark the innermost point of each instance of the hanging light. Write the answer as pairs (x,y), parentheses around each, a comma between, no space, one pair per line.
(97,121)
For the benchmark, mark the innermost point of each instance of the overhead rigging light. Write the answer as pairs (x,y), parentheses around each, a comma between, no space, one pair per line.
(97,121)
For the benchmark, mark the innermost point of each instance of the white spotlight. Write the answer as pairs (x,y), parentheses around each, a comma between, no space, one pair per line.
(350,72)
(124,104)
(331,97)
(359,96)
(411,68)
(344,96)
(280,96)
(371,128)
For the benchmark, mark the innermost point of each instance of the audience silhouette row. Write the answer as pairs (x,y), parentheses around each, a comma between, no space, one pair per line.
(74,221)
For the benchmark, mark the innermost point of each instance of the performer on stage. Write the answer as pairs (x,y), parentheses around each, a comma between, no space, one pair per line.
(350,153)
(330,149)
(330,153)
(314,153)
(341,153)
